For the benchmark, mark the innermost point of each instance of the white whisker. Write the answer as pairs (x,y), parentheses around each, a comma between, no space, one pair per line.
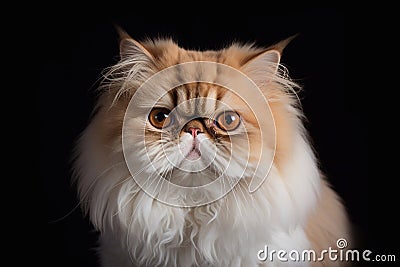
(234,195)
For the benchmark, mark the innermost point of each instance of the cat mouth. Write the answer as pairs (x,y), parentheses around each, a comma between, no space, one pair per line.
(193,154)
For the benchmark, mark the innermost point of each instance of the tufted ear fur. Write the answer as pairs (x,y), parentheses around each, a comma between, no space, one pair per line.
(128,47)
(264,65)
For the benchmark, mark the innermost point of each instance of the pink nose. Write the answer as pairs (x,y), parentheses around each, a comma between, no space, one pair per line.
(193,131)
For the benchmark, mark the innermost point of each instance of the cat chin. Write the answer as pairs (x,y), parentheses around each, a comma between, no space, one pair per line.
(193,165)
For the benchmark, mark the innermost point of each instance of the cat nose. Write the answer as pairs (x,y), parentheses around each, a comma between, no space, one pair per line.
(194,127)
(194,131)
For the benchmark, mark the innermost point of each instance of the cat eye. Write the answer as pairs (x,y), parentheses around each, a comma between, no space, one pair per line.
(160,117)
(228,120)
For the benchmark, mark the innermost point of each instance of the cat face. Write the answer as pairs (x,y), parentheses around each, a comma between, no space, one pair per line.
(199,131)
(194,124)
(194,128)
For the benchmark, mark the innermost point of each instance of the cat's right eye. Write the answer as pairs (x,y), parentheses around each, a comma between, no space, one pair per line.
(228,120)
(160,117)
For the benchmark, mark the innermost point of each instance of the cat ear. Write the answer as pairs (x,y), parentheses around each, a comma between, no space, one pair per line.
(129,47)
(262,67)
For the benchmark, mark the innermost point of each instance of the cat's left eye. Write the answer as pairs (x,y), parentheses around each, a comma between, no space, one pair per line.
(228,120)
(160,118)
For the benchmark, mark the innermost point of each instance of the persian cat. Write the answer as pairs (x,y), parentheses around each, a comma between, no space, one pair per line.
(200,158)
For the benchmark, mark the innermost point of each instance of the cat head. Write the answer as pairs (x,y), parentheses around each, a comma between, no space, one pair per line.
(192,124)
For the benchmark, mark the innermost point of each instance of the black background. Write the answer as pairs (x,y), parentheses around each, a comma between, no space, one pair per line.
(74,55)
